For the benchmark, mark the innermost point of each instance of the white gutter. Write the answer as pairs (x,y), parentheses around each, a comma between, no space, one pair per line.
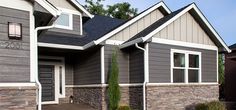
(146,71)
(36,64)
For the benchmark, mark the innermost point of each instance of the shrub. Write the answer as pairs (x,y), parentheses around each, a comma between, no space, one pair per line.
(124,107)
(113,84)
(214,105)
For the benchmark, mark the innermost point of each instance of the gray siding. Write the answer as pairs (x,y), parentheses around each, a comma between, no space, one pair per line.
(159,63)
(15,62)
(69,70)
(76,27)
(136,66)
(123,62)
(87,69)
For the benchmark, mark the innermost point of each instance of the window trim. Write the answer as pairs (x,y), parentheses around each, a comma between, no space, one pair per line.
(186,68)
(14,37)
(70,27)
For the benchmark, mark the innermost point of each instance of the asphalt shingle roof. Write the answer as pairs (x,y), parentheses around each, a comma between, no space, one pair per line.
(92,30)
(233,46)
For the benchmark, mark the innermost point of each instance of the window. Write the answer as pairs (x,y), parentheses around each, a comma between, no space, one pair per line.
(185,66)
(14,30)
(64,21)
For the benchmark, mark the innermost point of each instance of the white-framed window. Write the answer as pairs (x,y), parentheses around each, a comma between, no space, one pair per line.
(185,66)
(14,30)
(65,21)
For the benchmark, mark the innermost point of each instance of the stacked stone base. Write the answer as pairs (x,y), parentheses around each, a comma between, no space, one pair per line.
(158,97)
(18,98)
(179,97)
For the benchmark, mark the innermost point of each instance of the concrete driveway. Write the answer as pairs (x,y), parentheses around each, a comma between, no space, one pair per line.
(67,107)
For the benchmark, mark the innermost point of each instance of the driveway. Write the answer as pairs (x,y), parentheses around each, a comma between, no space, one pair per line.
(67,107)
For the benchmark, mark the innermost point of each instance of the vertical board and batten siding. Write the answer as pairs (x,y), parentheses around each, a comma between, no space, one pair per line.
(87,68)
(185,29)
(123,63)
(138,26)
(15,63)
(159,63)
(62,4)
(136,66)
(76,27)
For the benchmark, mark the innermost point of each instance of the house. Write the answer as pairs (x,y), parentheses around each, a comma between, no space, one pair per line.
(55,51)
(230,69)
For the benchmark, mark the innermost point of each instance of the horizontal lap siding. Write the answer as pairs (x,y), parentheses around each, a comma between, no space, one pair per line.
(87,69)
(123,63)
(69,72)
(159,63)
(136,66)
(15,63)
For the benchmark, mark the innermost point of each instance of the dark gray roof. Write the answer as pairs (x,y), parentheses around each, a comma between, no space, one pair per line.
(156,24)
(233,46)
(92,30)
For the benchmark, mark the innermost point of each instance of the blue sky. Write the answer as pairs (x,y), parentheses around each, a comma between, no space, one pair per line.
(220,13)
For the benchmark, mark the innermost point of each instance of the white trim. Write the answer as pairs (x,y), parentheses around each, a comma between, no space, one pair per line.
(65,10)
(131,43)
(184,44)
(17,4)
(181,84)
(132,21)
(60,46)
(82,8)
(186,68)
(146,63)
(192,6)
(102,66)
(103,85)
(114,42)
(17,85)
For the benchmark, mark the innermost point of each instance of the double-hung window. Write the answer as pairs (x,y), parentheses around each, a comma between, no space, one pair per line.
(185,66)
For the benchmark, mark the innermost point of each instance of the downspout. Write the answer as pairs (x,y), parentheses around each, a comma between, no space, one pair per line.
(36,63)
(145,73)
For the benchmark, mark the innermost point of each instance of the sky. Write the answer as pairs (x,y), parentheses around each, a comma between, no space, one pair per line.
(220,13)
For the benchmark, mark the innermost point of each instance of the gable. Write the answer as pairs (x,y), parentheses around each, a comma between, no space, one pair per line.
(138,26)
(185,29)
(62,4)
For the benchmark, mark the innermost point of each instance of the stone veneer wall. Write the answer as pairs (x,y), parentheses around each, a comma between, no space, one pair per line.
(179,97)
(97,97)
(69,92)
(18,98)
(89,95)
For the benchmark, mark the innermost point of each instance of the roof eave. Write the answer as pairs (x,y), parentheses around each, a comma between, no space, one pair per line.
(50,8)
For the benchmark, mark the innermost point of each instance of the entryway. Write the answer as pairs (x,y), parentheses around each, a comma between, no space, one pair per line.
(52,79)
(67,107)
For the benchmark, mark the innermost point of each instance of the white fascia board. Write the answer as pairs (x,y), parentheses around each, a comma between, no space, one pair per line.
(192,6)
(82,8)
(211,28)
(49,7)
(184,44)
(60,46)
(114,42)
(131,43)
(132,21)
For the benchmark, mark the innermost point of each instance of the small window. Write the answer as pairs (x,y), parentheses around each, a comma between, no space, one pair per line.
(14,30)
(64,21)
(185,66)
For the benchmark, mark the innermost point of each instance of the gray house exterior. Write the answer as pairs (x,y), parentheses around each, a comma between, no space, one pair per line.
(54,52)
